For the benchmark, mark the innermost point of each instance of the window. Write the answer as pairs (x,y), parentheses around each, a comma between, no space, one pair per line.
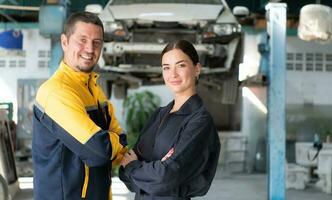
(2,63)
(21,63)
(290,66)
(309,61)
(44,57)
(309,67)
(12,63)
(328,67)
(319,56)
(328,57)
(290,56)
(299,57)
(298,67)
(42,64)
(319,66)
(42,54)
(309,57)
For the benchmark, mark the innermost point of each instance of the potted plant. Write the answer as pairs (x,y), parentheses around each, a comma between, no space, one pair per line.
(137,108)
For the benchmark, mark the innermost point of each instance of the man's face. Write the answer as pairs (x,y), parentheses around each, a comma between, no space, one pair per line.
(83,47)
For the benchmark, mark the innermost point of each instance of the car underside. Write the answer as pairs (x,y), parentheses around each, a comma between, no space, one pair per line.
(134,41)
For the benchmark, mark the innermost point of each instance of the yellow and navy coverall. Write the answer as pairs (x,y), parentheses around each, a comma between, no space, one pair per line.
(75,138)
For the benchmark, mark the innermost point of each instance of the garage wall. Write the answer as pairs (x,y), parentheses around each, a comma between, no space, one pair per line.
(308,96)
(30,63)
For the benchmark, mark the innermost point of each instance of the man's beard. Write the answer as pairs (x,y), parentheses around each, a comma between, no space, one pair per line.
(86,70)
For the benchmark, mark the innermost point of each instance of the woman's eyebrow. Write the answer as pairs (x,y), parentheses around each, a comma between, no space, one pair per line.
(180,61)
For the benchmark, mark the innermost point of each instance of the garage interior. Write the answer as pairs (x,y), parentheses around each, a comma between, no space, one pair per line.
(266,81)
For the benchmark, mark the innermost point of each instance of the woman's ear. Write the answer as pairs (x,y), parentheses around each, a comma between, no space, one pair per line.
(198,69)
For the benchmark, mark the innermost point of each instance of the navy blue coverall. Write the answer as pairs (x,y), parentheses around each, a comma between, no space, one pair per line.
(189,171)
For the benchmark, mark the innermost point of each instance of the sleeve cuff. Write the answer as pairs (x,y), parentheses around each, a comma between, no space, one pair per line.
(131,166)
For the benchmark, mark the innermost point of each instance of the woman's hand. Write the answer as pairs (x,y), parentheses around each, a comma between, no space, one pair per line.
(128,157)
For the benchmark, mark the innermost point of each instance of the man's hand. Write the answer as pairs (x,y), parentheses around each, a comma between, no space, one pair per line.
(119,156)
(128,157)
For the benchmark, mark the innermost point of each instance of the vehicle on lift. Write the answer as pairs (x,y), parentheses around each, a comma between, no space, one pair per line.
(136,31)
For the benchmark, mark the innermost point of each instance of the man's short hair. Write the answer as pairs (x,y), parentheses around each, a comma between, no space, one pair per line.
(84,16)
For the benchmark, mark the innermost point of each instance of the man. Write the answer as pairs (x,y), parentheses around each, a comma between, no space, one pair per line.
(75,133)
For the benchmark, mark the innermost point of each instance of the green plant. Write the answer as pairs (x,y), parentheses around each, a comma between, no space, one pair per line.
(137,109)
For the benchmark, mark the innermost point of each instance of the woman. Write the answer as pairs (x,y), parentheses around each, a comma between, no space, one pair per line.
(176,156)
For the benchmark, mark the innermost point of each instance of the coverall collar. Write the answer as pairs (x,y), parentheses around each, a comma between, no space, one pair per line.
(190,106)
(80,76)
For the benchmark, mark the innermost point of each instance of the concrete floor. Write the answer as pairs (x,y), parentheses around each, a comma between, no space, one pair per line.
(224,187)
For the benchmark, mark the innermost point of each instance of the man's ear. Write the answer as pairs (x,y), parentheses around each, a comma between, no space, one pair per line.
(64,41)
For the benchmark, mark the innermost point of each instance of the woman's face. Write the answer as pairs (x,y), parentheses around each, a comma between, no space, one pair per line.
(179,72)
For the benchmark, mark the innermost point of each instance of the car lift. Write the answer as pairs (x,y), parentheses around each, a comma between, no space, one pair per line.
(273,57)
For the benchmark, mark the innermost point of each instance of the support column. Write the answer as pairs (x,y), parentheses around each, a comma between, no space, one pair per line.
(276,28)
